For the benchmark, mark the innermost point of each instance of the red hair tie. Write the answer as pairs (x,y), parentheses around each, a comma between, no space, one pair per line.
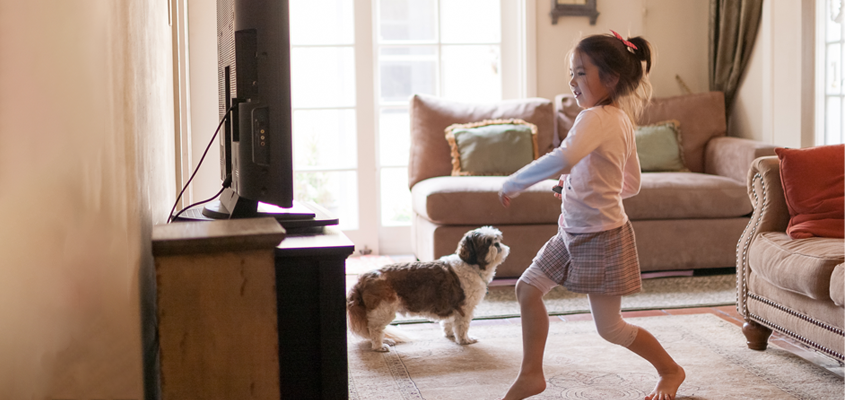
(627,43)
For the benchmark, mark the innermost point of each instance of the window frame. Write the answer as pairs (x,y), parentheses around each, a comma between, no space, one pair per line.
(822,98)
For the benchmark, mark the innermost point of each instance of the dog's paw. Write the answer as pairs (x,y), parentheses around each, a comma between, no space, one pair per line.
(384,348)
(389,342)
(467,340)
(449,335)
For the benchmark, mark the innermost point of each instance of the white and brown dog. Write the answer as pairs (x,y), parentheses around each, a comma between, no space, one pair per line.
(445,290)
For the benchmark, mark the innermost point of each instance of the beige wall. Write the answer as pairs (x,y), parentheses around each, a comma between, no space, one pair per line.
(677,29)
(202,20)
(775,99)
(86,165)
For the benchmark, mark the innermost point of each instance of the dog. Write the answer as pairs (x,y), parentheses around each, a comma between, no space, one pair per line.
(445,290)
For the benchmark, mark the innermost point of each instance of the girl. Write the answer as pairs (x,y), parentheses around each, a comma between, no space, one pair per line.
(594,251)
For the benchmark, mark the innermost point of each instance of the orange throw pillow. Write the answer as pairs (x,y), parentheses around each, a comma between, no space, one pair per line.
(813,182)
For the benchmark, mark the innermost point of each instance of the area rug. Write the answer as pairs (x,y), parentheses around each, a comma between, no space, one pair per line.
(580,365)
(657,294)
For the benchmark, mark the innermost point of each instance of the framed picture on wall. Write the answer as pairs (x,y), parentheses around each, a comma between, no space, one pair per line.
(580,8)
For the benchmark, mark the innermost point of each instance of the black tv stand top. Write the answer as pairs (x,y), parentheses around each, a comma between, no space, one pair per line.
(301,218)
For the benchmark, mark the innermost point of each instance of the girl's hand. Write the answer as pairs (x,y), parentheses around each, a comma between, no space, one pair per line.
(560,183)
(505,200)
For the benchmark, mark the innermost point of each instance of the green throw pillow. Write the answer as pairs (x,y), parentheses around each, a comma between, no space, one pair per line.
(659,147)
(492,147)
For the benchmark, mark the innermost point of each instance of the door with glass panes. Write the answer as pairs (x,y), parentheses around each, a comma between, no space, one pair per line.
(354,66)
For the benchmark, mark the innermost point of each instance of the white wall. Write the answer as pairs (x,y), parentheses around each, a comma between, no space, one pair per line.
(676,29)
(86,166)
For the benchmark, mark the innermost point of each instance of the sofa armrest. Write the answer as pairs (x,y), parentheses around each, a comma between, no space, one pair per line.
(730,156)
(766,193)
(770,214)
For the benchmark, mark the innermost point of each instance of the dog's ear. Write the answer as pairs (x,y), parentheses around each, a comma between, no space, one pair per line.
(466,249)
(482,247)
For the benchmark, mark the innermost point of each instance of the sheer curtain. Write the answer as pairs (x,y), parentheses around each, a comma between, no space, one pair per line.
(733,28)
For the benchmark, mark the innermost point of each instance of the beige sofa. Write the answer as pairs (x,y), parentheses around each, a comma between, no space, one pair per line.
(682,220)
(796,287)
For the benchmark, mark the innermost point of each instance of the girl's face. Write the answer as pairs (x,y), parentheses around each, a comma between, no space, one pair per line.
(585,81)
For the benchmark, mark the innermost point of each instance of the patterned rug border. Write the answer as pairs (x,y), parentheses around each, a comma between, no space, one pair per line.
(658,294)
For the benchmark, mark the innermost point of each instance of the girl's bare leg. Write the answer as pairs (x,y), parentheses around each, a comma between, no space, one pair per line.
(535,330)
(607,314)
(671,374)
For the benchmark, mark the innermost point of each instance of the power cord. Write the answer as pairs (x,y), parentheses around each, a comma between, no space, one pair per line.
(226,183)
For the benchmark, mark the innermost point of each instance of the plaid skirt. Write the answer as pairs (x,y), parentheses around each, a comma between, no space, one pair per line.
(600,262)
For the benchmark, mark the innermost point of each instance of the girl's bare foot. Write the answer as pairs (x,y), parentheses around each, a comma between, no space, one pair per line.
(667,385)
(526,386)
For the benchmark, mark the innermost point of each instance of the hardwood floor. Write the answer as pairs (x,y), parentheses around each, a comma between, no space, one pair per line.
(358,265)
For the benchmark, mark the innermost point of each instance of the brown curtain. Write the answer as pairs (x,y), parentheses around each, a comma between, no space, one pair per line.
(733,28)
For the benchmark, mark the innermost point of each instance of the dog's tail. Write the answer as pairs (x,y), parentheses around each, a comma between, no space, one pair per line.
(356,310)
(365,295)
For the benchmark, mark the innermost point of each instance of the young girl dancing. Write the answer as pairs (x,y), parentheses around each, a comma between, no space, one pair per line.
(594,251)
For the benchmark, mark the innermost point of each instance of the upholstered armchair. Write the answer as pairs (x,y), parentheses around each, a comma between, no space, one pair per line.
(793,286)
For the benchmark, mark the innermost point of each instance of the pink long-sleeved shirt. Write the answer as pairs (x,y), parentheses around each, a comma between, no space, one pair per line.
(599,164)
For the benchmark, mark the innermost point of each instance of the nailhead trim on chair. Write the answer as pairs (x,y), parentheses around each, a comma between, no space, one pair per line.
(797,314)
(798,337)
(751,228)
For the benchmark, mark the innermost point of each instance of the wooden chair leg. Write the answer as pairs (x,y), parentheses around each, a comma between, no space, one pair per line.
(757,335)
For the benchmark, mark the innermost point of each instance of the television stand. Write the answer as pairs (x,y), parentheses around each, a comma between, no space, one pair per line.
(301,218)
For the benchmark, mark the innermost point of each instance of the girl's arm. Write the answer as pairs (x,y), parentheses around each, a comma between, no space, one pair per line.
(584,137)
(545,167)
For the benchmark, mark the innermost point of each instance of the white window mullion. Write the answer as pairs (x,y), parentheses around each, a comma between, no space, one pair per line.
(366,236)
(518,37)
(439,38)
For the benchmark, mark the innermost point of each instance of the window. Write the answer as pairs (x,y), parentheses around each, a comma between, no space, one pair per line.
(323,105)
(354,66)
(830,94)
(428,47)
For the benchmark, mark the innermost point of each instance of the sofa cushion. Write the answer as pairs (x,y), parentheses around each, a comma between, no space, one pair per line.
(812,180)
(474,200)
(702,117)
(491,147)
(430,155)
(837,285)
(802,266)
(682,195)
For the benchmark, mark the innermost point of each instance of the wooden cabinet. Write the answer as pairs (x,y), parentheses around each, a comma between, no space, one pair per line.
(243,316)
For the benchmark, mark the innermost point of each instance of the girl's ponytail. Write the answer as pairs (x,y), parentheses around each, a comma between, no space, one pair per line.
(642,52)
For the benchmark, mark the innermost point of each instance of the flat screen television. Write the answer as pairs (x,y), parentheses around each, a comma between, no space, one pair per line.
(254,93)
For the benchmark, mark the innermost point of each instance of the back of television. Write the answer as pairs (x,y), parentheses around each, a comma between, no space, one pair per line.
(254,81)
(254,105)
